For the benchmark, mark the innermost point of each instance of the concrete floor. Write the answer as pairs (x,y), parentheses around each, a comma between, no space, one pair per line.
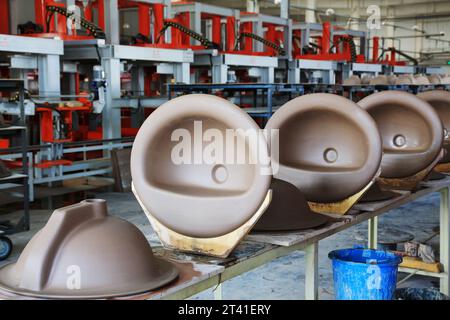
(282,278)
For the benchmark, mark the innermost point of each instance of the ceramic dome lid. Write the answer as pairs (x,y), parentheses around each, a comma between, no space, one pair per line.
(329,148)
(411,131)
(288,210)
(83,253)
(195,197)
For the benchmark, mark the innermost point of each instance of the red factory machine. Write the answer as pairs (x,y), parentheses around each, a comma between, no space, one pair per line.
(318,49)
(62,110)
(72,103)
(227,47)
(389,58)
(77,73)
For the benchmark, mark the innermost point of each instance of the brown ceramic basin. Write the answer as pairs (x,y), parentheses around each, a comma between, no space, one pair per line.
(445,79)
(434,79)
(405,79)
(84,253)
(329,148)
(410,129)
(440,101)
(203,200)
(353,80)
(421,79)
(379,80)
(391,79)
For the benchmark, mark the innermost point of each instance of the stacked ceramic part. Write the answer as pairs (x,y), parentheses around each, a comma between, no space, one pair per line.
(439,79)
(445,79)
(383,80)
(84,253)
(353,80)
(406,79)
(379,80)
(421,79)
(412,136)
(329,151)
(440,101)
(194,202)
(434,79)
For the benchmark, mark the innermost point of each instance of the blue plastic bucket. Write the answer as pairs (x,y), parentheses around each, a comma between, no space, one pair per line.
(364,274)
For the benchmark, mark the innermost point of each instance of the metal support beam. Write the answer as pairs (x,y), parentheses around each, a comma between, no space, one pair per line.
(49,75)
(137,85)
(284,8)
(312,271)
(372,233)
(253,6)
(111,116)
(182,72)
(218,292)
(444,240)
(112,21)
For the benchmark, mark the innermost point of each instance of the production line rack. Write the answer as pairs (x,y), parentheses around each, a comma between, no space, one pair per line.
(256,90)
(413,88)
(262,94)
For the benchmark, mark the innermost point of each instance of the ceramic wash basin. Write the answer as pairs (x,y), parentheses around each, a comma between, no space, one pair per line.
(329,148)
(189,195)
(411,132)
(440,101)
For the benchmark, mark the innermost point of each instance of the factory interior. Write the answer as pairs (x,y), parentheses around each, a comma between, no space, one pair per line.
(261,150)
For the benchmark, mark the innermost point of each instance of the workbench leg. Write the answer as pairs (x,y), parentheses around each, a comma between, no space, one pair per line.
(218,292)
(444,240)
(373,233)
(312,271)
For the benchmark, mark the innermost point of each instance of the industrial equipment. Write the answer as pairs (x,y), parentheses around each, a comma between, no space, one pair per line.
(235,47)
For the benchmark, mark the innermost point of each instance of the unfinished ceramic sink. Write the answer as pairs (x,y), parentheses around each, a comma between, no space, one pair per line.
(434,79)
(405,79)
(412,136)
(421,79)
(353,80)
(4,172)
(445,79)
(83,253)
(194,205)
(329,148)
(379,80)
(440,101)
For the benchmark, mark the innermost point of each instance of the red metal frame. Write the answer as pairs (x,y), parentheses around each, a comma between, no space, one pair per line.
(390,58)
(272,34)
(342,54)
(4,16)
